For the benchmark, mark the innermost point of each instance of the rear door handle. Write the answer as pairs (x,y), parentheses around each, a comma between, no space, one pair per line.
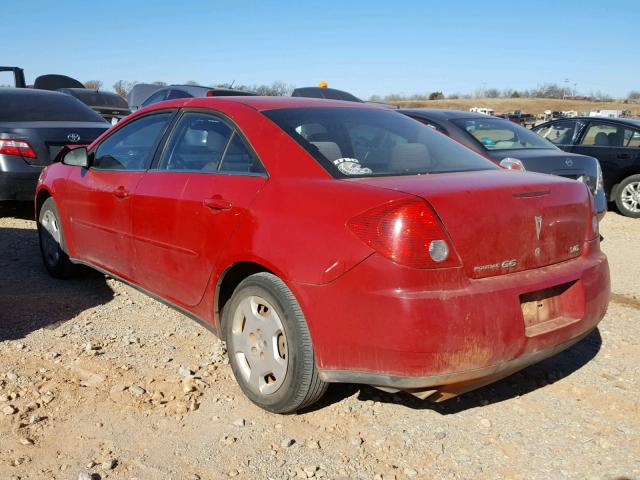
(217,203)
(121,192)
(624,155)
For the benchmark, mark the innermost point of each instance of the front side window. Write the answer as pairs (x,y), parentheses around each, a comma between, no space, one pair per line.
(206,143)
(558,133)
(132,146)
(496,134)
(374,142)
(603,135)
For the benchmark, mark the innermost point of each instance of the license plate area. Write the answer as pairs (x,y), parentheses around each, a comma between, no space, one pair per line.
(552,308)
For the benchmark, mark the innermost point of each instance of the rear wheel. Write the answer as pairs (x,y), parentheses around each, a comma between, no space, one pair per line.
(269,345)
(628,196)
(52,246)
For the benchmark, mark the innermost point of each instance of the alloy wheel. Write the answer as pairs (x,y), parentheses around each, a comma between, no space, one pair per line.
(630,197)
(50,237)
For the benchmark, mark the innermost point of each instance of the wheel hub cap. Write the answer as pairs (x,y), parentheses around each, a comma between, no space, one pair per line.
(259,345)
(50,237)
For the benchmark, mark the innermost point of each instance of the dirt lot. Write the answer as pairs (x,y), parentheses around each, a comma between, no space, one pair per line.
(91,386)
(526,105)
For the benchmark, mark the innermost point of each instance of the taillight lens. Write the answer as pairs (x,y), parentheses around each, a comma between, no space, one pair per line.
(407,232)
(20,148)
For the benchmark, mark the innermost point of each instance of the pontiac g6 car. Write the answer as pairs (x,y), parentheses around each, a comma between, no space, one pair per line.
(331,242)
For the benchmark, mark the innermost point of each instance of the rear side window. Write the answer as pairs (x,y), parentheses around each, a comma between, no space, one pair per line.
(132,146)
(603,135)
(173,94)
(206,143)
(32,106)
(155,98)
(370,142)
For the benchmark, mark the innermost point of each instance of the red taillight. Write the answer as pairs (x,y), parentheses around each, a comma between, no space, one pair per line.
(407,232)
(211,93)
(20,148)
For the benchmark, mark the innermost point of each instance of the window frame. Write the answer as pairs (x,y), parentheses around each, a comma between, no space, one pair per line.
(235,130)
(161,139)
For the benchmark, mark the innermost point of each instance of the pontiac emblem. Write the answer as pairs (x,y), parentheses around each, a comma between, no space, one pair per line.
(538,226)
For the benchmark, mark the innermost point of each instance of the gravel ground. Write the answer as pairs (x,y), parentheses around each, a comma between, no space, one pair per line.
(99,381)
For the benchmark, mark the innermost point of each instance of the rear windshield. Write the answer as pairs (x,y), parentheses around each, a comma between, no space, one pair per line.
(496,134)
(30,106)
(370,142)
(101,99)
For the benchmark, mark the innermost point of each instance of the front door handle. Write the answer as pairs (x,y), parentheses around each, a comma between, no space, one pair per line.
(121,192)
(217,203)
(624,155)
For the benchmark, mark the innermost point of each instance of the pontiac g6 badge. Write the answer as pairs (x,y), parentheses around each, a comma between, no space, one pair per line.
(538,226)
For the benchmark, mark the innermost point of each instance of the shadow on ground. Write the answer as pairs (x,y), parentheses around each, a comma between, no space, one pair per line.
(29,298)
(531,378)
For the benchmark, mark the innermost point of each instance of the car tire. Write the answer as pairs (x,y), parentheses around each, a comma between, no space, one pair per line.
(628,196)
(52,243)
(269,345)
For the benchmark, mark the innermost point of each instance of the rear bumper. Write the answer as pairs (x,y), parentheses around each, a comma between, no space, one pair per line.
(18,179)
(400,328)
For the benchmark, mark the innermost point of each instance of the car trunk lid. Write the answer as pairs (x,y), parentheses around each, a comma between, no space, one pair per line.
(48,138)
(502,222)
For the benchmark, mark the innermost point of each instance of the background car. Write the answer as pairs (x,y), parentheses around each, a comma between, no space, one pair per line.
(325,92)
(613,141)
(173,92)
(34,126)
(500,139)
(108,105)
(331,241)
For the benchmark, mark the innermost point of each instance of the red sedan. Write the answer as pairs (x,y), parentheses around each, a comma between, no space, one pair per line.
(331,242)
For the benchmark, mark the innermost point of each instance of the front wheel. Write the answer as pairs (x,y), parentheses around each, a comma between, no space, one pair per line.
(269,345)
(52,246)
(628,196)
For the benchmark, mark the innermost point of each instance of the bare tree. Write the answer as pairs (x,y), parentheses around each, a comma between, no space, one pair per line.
(634,95)
(492,93)
(192,83)
(93,84)
(123,87)
(160,83)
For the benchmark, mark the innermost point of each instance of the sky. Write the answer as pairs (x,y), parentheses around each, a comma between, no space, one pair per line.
(365,47)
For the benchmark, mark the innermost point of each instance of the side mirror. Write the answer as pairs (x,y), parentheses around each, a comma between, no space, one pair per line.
(77,157)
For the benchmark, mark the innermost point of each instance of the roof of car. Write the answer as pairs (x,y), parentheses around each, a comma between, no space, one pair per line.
(440,114)
(263,103)
(32,92)
(632,122)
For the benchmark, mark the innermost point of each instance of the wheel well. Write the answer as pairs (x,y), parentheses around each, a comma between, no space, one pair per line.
(231,278)
(40,199)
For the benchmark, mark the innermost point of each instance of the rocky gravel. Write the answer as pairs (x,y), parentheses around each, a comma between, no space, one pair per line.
(98,381)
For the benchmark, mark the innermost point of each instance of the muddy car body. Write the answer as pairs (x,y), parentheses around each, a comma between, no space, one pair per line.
(331,242)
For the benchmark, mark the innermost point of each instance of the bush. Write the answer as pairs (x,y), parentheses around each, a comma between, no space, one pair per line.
(436,96)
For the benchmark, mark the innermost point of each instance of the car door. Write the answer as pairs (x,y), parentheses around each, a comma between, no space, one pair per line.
(186,208)
(99,198)
(614,145)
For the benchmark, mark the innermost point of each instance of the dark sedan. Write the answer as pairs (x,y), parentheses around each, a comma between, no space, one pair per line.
(110,106)
(173,92)
(613,141)
(34,126)
(507,143)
